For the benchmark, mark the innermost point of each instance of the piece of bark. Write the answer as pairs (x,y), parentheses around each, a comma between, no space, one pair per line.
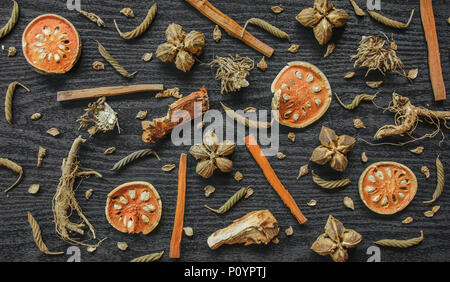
(181,111)
(257,227)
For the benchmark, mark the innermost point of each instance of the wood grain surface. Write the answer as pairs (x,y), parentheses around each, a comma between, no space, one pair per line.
(20,142)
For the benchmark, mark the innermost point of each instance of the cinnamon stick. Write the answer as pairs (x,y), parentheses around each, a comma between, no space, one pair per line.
(273,179)
(434,57)
(177,232)
(106,91)
(230,26)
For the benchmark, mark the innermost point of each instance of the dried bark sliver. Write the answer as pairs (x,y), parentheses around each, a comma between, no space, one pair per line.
(387,187)
(302,94)
(134,207)
(51,44)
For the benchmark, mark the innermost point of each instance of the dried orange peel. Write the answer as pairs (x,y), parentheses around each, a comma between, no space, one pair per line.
(51,44)
(387,187)
(134,207)
(302,94)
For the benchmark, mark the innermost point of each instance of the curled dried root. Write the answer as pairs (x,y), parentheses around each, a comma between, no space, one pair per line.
(407,117)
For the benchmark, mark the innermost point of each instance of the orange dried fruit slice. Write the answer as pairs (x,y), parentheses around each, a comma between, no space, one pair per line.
(51,44)
(387,187)
(134,207)
(302,94)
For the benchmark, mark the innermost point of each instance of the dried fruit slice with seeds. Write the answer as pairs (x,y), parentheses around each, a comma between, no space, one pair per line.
(134,207)
(387,187)
(51,44)
(302,94)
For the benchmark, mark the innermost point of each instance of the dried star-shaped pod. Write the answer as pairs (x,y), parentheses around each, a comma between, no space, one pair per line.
(323,17)
(334,149)
(212,154)
(336,240)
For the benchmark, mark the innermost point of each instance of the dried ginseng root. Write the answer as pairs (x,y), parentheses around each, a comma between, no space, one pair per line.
(195,105)
(336,240)
(387,187)
(257,227)
(51,44)
(401,243)
(302,94)
(103,117)
(14,167)
(407,117)
(64,200)
(134,207)
(232,72)
(38,236)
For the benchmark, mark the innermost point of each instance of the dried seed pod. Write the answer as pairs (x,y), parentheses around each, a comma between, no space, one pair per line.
(294,48)
(418,150)
(408,220)
(184,61)
(166,52)
(109,151)
(238,176)
(217,34)
(209,189)
(262,65)
(194,43)
(141,115)
(53,132)
(36,116)
(348,202)
(128,12)
(358,123)
(98,66)
(41,154)
(304,170)
(175,34)
(33,189)
(188,231)
(425,170)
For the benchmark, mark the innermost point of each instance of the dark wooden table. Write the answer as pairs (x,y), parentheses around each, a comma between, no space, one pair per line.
(20,142)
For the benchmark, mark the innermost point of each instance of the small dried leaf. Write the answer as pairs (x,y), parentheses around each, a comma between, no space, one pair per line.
(98,66)
(330,49)
(147,57)
(35,116)
(364,158)
(12,51)
(217,34)
(188,231)
(408,220)
(33,189)
(425,170)
(122,246)
(109,151)
(168,167)
(238,176)
(304,170)
(289,231)
(209,189)
(348,202)
(276,240)
(349,75)
(374,84)
(141,115)
(128,12)
(412,74)
(435,209)
(53,132)
(417,151)
(88,194)
(312,203)
(291,136)
(281,156)
(358,123)
(262,65)
(249,193)
(277,9)
(429,213)
(294,48)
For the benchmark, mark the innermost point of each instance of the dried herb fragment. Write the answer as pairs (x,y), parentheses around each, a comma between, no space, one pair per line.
(348,202)
(364,158)
(275,31)
(334,149)
(304,170)
(147,57)
(334,184)
(93,17)
(401,243)
(358,10)
(312,203)
(408,220)
(141,115)
(281,156)
(36,116)
(412,74)
(294,48)
(232,72)
(33,189)
(211,155)
(149,258)
(12,51)
(389,22)
(277,9)
(250,192)
(291,136)
(128,12)
(417,151)
(289,231)
(336,240)
(425,170)
(168,167)
(217,34)
(172,92)
(440,175)
(122,246)
(349,75)
(323,17)
(134,156)
(38,236)
(238,176)
(41,155)
(53,132)
(11,22)
(138,31)
(188,231)
(356,101)
(262,65)
(109,151)
(113,62)
(374,84)
(358,123)
(101,115)
(330,49)
(88,194)
(250,110)
(98,66)
(14,167)
(209,189)
(432,212)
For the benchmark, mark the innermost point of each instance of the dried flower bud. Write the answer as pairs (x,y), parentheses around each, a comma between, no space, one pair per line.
(166,52)
(175,34)
(184,61)
(194,42)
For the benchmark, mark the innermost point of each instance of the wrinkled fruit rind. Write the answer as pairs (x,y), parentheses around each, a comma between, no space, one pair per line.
(113,216)
(398,174)
(310,98)
(34,33)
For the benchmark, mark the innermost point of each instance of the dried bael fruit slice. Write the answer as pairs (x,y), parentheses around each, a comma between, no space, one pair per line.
(387,187)
(134,207)
(51,44)
(302,94)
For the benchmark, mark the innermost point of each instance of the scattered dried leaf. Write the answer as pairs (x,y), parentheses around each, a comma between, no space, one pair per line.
(249,193)
(374,84)
(172,92)
(88,194)
(53,132)
(425,170)
(33,189)
(330,49)
(429,213)
(277,9)
(168,167)
(262,65)
(12,51)
(147,57)
(291,136)
(289,231)
(217,34)
(109,151)
(35,116)
(348,202)
(294,48)
(128,12)
(312,203)
(209,189)
(188,231)
(281,156)
(276,240)
(304,170)
(98,66)
(358,123)
(122,246)
(364,157)
(91,249)
(412,74)
(408,220)
(238,176)
(417,151)
(142,115)
(435,209)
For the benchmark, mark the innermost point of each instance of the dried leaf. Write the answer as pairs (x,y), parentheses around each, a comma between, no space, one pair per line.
(408,220)
(98,66)
(122,246)
(349,75)
(330,49)
(147,57)
(88,194)
(53,132)
(249,193)
(294,48)
(425,170)
(312,203)
(262,65)
(435,209)
(417,151)
(348,202)
(238,176)
(304,170)
(188,231)
(358,123)
(412,74)
(429,213)
(250,110)
(281,156)
(289,231)
(110,150)
(374,84)
(277,9)
(364,158)
(327,137)
(33,189)
(168,167)
(209,189)
(217,34)
(35,116)
(128,12)
(291,136)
